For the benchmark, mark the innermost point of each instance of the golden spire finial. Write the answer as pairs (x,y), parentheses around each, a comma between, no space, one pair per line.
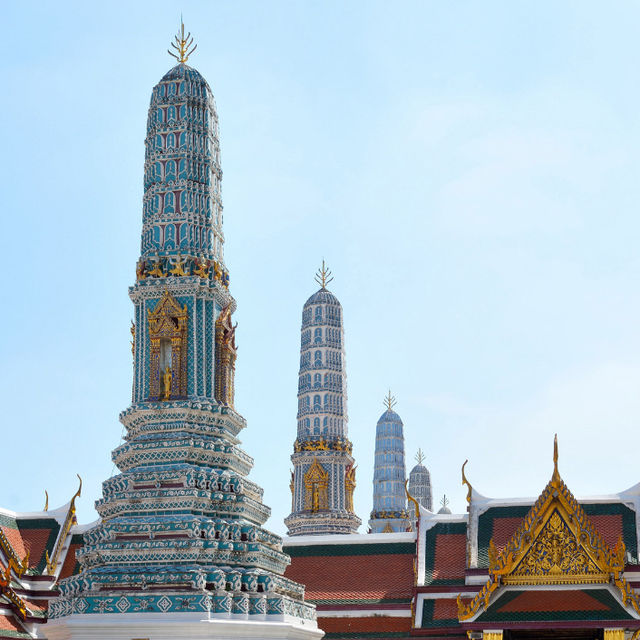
(182,45)
(390,401)
(323,276)
(420,457)
(556,474)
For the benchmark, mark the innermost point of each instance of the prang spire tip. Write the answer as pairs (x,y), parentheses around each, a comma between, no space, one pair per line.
(183,46)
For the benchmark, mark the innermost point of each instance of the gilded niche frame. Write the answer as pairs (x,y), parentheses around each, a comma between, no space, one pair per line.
(168,321)
(316,485)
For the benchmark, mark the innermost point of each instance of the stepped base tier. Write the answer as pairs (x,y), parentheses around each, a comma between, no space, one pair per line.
(182,625)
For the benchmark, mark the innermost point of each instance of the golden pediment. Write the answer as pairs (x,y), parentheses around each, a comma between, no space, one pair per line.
(167,306)
(556,556)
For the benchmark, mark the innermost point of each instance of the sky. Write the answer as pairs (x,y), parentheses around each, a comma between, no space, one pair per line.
(468,170)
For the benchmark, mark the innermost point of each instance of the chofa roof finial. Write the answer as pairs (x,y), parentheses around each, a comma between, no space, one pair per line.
(183,46)
(556,474)
(465,481)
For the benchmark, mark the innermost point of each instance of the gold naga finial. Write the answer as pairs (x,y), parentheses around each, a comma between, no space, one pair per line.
(420,457)
(183,45)
(323,276)
(556,474)
(46,500)
(465,481)
(412,499)
(390,401)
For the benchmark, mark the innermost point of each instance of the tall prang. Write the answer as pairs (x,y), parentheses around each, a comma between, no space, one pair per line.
(389,512)
(324,473)
(180,541)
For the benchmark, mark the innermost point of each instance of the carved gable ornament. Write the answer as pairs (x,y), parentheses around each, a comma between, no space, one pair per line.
(555,544)
(556,556)
(316,473)
(168,319)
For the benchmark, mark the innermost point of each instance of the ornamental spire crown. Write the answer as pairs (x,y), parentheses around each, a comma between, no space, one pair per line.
(390,401)
(182,45)
(323,276)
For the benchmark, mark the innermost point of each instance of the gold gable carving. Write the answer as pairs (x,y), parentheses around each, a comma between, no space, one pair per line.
(556,556)
(556,543)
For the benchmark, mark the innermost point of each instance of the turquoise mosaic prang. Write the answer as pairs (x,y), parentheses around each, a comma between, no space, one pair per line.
(181,524)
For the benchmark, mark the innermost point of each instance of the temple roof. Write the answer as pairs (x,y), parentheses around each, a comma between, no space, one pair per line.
(352,568)
(554,546)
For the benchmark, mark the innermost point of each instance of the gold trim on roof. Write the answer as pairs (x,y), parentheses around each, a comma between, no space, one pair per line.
(7,591)
(555,544)
(70,520)
(14,562)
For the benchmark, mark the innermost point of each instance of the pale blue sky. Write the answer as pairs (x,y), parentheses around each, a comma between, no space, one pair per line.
(467,169)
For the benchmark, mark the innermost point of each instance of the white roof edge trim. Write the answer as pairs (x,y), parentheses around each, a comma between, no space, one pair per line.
(58,514)
(530,501)
(81,528)
(431,520)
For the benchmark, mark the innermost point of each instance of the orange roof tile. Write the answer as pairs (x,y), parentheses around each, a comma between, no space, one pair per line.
(9,623)
(34,536)
(553,601)
(70,563)
(445,609)
(450,556)
(503,529)
(353,578)
(609,527)
(378,624)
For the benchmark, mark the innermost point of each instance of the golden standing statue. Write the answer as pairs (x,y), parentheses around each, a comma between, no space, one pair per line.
(166,379)
(350,485)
